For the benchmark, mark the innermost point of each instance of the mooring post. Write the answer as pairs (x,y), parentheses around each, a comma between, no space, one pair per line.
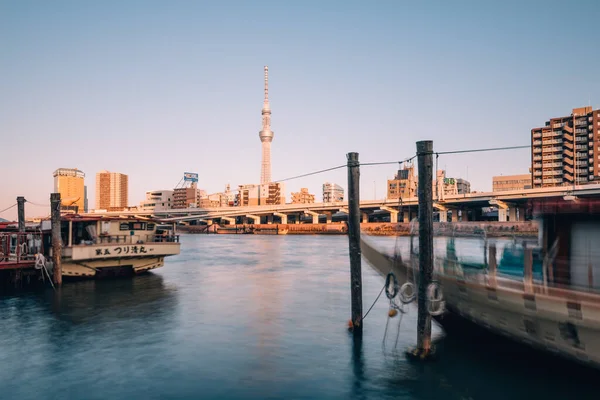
(56,237)
(354,241)
(21,213)
(425,160)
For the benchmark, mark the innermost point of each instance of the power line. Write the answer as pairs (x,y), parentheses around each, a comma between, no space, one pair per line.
(311,173)
(481,150)
(389,162)
(8,208)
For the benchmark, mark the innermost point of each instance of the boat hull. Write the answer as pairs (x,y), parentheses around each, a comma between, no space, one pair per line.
(110,267)
(556,321)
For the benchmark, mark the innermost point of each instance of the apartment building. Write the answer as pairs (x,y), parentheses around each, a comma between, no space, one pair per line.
(157,200)
(112,191)
(265,194)
(566,150)
(303,197)
(511,182)
(332,193)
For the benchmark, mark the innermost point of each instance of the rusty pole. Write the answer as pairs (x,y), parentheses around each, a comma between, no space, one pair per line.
(21,213)
(56,237)
(354,241)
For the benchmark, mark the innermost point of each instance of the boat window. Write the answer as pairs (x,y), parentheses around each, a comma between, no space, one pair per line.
(133,226)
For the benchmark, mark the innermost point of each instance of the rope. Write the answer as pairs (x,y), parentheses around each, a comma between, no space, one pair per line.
(36,204)
(8,208)
(372,305)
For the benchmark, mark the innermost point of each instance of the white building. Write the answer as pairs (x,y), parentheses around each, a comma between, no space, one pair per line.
(332,193)
(157,200)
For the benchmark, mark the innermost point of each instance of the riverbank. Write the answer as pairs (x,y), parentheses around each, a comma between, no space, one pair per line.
(459,229)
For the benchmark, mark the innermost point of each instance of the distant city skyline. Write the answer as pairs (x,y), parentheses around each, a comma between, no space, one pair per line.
(174,89)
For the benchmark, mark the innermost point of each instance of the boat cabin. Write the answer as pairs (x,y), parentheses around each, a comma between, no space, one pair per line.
(569,235)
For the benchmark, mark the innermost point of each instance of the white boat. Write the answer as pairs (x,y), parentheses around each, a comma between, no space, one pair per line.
(552,304)
(101,246)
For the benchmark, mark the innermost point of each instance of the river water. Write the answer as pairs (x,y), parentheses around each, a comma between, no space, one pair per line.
(249,317)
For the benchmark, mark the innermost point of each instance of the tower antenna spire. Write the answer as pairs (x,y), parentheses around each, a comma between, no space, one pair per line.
(266,134)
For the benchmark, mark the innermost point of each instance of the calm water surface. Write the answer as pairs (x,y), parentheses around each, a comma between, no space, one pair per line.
(247,317)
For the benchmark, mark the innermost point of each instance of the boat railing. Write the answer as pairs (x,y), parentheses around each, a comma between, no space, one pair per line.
(137,239)
(19,246)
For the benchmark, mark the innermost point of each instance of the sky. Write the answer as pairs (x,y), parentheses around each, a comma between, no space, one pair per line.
(153,89)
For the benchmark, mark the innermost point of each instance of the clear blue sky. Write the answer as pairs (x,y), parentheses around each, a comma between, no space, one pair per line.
(155,88)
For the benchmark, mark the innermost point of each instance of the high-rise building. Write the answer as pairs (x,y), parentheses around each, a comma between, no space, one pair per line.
(69,182)
(511,182)
(112,191)
(266,134)
(566,150)
(404,184)
(303,197)
(332,193)
(85,199)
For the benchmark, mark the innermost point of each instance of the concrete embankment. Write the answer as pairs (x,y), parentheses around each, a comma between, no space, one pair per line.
(491,229)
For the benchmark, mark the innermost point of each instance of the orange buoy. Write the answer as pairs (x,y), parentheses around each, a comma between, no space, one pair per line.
(350,325)
(392,313)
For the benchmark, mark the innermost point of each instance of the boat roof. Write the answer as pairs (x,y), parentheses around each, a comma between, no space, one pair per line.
(92,217)
(572,205)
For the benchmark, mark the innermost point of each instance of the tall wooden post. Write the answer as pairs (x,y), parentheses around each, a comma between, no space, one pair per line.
(21,213)
(425,160)
(56,237)
(354,241)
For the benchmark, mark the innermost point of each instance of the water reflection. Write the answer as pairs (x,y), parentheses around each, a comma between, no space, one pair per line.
(248,317)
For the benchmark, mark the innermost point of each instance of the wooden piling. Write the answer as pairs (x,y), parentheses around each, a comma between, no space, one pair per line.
(56,237)
(425,161)
(354,241)
(21,213)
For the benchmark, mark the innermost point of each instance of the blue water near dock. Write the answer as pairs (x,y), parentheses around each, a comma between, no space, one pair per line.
(247,317)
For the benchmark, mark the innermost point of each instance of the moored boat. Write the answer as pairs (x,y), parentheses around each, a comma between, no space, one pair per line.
(101,246)
(546,296)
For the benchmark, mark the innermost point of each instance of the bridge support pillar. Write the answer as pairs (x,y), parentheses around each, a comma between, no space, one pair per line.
(443,215)
(270,219)
(230,221)
(455,215)
(255,218)
(365,218)
(328,217)
(464,215)
(521,212)
(284,218)
(501,214)
(393,213)
(315,216)
(405,217)
(512,214)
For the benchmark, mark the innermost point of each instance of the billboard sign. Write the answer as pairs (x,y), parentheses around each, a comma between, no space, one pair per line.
(190,177)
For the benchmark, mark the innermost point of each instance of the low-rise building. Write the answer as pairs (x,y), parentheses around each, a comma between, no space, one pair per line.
(404,184)
(157,200)
(511,182)
(303,197)
(266,194)
(332,193)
